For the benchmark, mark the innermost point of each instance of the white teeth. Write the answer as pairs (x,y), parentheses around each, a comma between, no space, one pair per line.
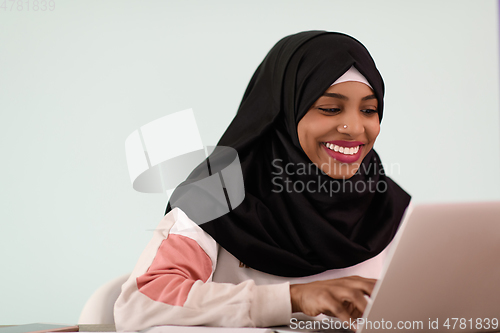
(343,150)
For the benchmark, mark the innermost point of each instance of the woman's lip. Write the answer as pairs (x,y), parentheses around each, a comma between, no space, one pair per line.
(341,157)
(347,144)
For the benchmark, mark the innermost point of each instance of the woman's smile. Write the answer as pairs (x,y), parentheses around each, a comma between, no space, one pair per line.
(344,151)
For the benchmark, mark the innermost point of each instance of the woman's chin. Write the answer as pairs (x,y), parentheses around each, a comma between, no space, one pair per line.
(341,176)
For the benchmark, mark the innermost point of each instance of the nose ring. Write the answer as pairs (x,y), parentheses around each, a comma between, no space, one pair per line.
(345,126)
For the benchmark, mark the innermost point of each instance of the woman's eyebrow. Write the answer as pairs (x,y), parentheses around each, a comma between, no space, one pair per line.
(369,97)
(335,95)
(343,97)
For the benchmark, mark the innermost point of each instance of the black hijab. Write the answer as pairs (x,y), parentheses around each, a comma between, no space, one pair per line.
(297,233)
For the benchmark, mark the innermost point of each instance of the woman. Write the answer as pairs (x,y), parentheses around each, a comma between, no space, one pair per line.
(318,213)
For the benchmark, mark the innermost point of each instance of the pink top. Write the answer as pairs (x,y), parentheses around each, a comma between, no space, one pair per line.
(184,277)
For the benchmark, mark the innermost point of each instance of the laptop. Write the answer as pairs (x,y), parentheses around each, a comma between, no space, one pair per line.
(442,272)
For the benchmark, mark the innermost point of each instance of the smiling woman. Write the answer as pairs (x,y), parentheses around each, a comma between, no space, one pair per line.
(312,110)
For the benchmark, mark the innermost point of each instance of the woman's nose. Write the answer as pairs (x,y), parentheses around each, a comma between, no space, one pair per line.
(351,124)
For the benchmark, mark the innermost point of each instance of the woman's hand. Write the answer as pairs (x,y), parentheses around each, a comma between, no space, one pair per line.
(343,298)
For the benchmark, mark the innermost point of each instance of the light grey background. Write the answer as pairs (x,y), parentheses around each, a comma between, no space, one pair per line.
(75,82)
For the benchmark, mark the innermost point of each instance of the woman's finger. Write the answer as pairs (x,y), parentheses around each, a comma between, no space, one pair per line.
(364,284)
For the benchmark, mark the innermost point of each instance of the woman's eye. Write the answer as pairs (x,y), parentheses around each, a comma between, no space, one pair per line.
(369,111)
(329,110)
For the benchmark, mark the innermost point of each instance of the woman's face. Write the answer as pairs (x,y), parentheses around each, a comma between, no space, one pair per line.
(340,128)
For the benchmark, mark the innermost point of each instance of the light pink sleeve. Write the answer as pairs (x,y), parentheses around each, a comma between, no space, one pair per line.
(179,262)
(172,285)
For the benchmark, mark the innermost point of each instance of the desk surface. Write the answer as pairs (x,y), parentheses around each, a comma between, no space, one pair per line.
(97,328)
(89,328)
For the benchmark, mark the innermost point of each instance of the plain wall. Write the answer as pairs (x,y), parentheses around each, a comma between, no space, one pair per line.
(76,81)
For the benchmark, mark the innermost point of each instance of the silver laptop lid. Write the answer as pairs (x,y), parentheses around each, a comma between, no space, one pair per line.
(443,272)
